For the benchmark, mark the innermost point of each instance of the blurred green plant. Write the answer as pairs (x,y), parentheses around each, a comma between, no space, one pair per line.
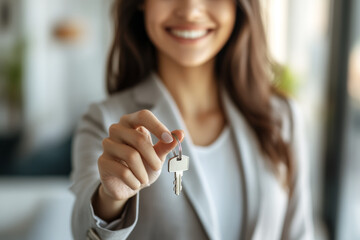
(285,80)
(11,74)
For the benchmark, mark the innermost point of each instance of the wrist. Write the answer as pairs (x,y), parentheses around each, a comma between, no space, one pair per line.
(106,207)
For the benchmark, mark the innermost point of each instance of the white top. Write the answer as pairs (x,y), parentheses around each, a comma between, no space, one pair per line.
(220,165)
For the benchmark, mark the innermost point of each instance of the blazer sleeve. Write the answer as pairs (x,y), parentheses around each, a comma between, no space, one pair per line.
(298,222)
(86,149)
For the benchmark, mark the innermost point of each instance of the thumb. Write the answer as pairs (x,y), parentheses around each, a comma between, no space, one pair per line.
(162,149)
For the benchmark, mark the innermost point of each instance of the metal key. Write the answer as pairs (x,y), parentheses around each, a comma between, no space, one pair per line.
(178,164)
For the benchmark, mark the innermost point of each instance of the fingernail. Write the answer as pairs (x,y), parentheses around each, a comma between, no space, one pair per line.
(166,137)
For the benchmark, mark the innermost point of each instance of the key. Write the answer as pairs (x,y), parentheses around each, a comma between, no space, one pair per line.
(178,165)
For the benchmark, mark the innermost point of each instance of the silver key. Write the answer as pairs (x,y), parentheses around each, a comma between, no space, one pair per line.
(178,164)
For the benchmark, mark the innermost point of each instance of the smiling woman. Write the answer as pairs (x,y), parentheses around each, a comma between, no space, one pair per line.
(192,34)
(200,67)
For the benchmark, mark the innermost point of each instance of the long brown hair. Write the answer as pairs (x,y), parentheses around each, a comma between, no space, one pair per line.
(242,66)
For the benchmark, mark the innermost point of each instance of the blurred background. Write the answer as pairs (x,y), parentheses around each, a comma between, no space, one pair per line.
(52,66)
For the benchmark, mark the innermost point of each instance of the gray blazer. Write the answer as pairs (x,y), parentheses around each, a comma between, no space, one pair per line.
(156,212)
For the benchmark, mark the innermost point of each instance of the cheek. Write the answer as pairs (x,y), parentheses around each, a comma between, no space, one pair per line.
(227,19)
(154,17)
(150,21)
(225,13)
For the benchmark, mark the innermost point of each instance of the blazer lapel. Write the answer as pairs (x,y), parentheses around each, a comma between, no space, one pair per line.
(249,153)
(154,95)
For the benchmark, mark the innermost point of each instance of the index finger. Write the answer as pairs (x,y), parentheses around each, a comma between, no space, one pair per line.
(148,120)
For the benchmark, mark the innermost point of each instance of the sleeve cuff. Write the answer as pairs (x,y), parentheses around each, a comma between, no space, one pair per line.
(117,224)
(121,227)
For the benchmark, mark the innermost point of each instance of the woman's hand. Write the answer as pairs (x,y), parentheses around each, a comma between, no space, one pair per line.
(130,161)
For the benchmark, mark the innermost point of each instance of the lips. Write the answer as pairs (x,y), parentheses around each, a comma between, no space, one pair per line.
(189,34)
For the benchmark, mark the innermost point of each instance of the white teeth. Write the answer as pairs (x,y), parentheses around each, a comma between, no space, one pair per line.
(189,34)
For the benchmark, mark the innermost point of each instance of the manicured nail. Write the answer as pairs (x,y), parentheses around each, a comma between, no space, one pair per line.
(166,137)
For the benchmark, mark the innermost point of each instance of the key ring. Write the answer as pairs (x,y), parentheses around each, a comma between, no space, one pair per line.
(179,145)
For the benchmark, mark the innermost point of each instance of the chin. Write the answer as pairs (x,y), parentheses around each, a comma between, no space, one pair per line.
(191,62)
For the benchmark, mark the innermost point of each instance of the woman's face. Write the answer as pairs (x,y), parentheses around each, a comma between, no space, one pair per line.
(189,32)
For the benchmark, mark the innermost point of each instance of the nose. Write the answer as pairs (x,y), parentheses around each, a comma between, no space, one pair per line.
(190,10)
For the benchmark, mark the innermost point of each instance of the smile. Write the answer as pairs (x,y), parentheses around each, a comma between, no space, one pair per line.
(189,34)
